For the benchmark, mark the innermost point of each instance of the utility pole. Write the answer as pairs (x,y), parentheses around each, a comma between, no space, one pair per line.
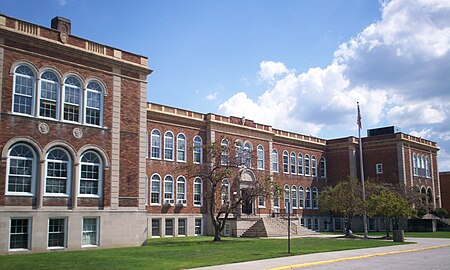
(362,172)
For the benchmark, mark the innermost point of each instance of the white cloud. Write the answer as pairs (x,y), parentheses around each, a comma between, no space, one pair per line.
(269,70)
(62,2)
(212,96)
(397,68)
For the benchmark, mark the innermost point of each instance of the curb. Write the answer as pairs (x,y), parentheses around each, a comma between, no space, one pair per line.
(355,258)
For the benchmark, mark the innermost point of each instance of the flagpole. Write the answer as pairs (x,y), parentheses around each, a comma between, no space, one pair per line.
(362,172)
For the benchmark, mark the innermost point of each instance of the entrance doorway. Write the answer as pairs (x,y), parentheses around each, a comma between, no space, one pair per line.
(247,202)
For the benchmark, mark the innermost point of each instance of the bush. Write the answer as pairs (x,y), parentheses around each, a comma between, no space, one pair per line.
(440,212)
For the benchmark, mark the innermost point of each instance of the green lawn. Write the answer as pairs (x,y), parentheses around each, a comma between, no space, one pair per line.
(180,253)
(440,234)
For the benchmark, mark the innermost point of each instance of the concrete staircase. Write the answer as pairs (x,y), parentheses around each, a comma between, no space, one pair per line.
(275,227)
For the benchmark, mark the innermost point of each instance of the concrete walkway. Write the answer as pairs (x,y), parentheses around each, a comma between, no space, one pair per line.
(336,256)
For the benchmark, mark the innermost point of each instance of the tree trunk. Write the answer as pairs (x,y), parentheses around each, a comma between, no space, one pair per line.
(217,235)
(348,226)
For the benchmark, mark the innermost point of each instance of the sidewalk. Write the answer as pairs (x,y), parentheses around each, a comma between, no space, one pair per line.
(328,257)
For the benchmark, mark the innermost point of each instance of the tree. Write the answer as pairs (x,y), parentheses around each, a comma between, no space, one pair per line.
(389,205)
(225,176)
(344,199)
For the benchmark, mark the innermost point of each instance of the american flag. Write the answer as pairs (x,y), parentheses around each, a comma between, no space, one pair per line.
(358,118)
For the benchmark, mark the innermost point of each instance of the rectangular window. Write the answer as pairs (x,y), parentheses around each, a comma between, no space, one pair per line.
(379,168)
(19,234)
(198,226)
(316,224)
(276,201)
(302,222)
(169,227)
(261,202)
(181,227)
(198,192)
(56,232)
(308,223)
(338,224)
(90,230)
(156,227)
(227,230)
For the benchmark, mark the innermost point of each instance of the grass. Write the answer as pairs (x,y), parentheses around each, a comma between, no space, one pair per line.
(181,253)
(440,234)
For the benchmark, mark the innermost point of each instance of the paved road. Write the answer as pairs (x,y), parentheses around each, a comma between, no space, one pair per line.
(427,253)
(426,259)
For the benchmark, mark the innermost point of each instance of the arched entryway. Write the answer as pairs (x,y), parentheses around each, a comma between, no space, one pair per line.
(246,184)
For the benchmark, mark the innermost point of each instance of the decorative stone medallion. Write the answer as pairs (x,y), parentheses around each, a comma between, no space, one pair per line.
(43,128)
(63,34)
(77,133)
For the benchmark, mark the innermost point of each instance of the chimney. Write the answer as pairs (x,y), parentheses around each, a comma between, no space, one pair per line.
(61,24)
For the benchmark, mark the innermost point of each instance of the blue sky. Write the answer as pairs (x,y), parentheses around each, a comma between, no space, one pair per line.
(297,65)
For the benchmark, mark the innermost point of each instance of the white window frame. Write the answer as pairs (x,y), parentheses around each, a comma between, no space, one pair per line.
(293,163)
(261,202)
(152,181)
(33,171)
(167,228)
(225,191)
(287,197)
(64,232)
(294,197)
(196,226)
(416,169)
(300,169)
(323,167)
(379,168)
(181,147)
(96,232)
(57,84)
(307,165)
(100,175)
(301,197)
(198,203)
(427,167)
(315,198)
(308,198)
(260,157)
(275,160)
(181,190)
(314,166)
(167,139)
(155,144)
(180,233)
(63,99)
(247,154)
(197,150)
(101,92)
(172,181)
(225,152)
(33,90)
(285,160)
(28,233)
(159,227)
(69,173)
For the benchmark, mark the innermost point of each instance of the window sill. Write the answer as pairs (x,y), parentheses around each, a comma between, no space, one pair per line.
(56,195)
(155,204)
(19,249)
(89,196)
(56,248)
(22,194)
(89,246)
(261,206)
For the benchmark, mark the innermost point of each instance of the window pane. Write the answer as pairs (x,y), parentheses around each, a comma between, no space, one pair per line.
(56,233)
(89,231)
(19,234)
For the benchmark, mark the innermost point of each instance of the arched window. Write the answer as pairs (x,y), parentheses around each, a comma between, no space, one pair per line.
(293,164)
(422,166)
(276,199)
(168,190)
(260,155)
(156,144)
(287,195)
(24,90)
(314,166)
(285,162)
(49,95)
(323,167)
(294,197)
(225,152)
(416,170)
(198,149)
(58,171)
(168,145)
(181,147)
(72,99)
(225,191)
(315,198)
(423,193)
(239,153)
(94,104)
(247,155)
(21,176)
(274,160)
(181,190)
(300,163)
(308,198)
(198,191)
(91,174)
(155,190)
(301,197)
(427,167)
(307,171)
